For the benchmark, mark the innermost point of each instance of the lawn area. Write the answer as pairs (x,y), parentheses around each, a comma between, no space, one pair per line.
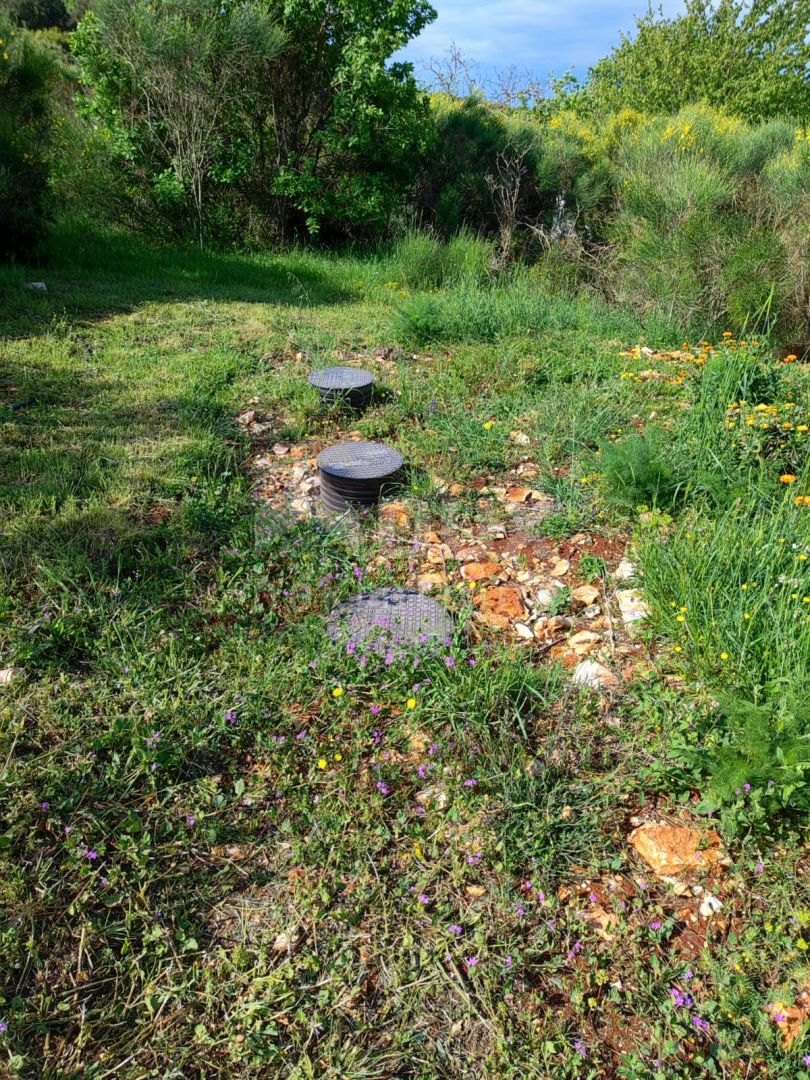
(230,847)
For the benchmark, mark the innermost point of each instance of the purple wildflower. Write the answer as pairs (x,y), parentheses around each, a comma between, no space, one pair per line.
(472,782)
(383,787)
(681,999)
(700,1023)
(424,898)
(456,930)
(471,962)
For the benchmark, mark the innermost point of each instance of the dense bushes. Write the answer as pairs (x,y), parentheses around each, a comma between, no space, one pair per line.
(699,217)
(266,120)
(31,77)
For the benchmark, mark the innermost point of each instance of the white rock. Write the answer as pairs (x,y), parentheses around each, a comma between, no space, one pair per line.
(597,676)
(9,675)
(710,905)
(36,286)
(624,571)
(524,631)
(280,449)
(542,598)
(632,606)
(435,795)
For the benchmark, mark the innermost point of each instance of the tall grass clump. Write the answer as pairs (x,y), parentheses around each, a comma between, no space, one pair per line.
(729,583)
(423,261)
(733,593)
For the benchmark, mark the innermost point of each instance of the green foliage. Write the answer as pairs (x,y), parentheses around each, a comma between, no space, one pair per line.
(180,87)
(748,57)
(640,472)
(40,14)
(31,77)
(273,118)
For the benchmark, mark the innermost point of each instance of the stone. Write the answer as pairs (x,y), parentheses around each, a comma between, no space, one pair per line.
(503,600)
(280,450)
(286,941)
(428,582)
(584,642)
(519,438)
(36,286)
(542,598)
(524,631)
(632,606)
(624,571)
(432,796)
(560,568)
(585,595)
(10,675)
(709,906)
(246,418)
(480,571)
(596,676)
(396,513)
(518,494)
(790,1019)
(602,921)
(591,612)
(670,850)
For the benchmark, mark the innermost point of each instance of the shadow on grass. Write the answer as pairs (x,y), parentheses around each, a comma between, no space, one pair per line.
(90,275)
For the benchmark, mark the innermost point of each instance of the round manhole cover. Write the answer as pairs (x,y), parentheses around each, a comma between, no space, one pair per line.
(391,620)
(355,474)
(343,385)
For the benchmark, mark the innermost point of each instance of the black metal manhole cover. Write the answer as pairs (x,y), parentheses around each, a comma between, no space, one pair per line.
(391,620)
(355,474)
(343,385)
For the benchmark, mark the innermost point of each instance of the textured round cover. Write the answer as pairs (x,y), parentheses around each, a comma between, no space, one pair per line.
(340,378)
(391,620)
(360,461)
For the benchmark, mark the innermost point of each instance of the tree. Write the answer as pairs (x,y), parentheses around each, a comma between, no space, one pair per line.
(323,136)
(40,14)
(183,75)
(749,57)
(31,80)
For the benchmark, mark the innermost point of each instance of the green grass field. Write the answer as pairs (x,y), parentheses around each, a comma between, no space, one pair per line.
(231,848)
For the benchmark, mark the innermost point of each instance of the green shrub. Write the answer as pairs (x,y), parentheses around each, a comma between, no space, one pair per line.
(30,77)
(640,472)
(733,595)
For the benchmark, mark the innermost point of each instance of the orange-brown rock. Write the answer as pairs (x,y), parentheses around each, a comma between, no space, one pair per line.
(670,850)
(480,571)
(503,600)
(585,595)
(397,513)
(518,494)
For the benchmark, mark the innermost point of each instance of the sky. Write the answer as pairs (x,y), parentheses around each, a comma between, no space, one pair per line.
(543,36)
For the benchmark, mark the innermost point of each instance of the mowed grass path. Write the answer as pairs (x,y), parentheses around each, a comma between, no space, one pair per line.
(214,860)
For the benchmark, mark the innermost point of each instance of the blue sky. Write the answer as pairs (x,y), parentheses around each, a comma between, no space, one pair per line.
(541,35)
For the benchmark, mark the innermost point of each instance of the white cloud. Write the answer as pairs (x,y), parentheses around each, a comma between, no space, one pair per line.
(542,35)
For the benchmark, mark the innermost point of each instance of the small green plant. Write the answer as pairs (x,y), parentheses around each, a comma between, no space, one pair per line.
(592,567)
(640,470)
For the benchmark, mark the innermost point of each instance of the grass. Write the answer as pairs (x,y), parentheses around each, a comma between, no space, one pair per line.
(213,864)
